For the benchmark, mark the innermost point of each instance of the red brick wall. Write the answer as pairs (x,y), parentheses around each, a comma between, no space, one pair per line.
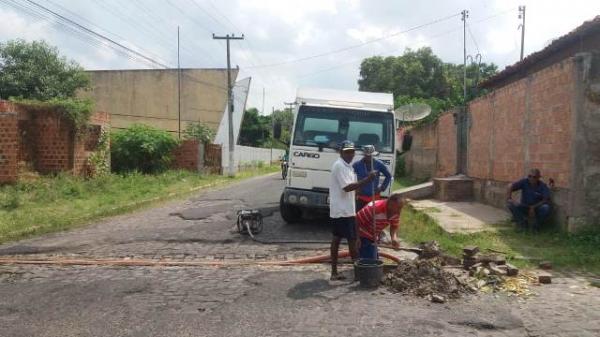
(43,138)
(524,125)
(420,161)
(53,142)
(8,144)
(186,156)
(446,140)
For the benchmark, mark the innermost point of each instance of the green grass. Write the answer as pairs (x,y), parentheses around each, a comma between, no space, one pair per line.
(61,202)
(404,182)
(565,251)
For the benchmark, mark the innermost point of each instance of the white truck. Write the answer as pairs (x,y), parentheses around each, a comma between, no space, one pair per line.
(322,119)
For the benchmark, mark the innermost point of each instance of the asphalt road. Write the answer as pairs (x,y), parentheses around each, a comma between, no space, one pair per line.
(38,300)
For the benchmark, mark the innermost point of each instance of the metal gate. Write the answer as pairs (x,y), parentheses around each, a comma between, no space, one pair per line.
(462,139)
(212,158)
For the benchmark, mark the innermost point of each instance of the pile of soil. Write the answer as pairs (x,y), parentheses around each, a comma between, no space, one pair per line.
(425,278)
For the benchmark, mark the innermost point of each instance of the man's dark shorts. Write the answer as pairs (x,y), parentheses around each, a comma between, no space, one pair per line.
(344,228)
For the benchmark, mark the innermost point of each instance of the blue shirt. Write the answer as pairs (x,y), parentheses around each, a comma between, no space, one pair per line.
(362,171)
(531,194)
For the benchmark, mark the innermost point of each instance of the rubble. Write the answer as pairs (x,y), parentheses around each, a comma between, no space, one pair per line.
(431,275)
(546,265)
(423,278)
(429,249)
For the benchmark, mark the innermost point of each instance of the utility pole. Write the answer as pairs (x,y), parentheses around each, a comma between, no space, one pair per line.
(272,127)
(229,97)
(263,104)
(465,15)
(522,26)
(178,89)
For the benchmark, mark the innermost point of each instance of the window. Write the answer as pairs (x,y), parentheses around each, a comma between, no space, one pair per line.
(327,127)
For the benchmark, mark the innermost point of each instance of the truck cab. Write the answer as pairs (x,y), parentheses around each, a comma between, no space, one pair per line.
(322,119)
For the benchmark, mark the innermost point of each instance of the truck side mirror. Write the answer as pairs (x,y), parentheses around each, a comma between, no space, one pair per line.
(277,130)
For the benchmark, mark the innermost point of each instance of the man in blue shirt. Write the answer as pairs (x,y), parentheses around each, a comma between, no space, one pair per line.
(535,200)
(362,169)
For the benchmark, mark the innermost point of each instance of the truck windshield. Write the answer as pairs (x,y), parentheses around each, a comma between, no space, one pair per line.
(327,127)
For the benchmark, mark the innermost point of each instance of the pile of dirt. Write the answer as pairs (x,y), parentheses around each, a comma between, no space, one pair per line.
(425,278)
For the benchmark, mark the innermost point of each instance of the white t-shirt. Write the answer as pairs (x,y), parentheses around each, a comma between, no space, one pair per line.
(341,203)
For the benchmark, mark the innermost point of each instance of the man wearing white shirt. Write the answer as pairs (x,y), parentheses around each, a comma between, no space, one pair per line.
(342,204)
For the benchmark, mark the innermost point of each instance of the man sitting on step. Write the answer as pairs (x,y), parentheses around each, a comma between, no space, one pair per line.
(534,208)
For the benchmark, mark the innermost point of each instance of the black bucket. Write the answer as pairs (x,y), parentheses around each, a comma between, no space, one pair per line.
(368,272)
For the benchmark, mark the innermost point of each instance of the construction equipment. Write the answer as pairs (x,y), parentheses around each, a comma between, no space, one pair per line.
(249,222)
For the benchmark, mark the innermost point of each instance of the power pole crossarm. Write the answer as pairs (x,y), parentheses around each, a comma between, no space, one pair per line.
(229,98)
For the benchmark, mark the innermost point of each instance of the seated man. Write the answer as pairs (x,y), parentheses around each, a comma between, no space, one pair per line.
(362,169)
(387,214)
(535,201)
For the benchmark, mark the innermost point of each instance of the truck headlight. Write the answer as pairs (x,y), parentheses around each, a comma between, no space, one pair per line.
(299,174)
(303,199)
(292,199)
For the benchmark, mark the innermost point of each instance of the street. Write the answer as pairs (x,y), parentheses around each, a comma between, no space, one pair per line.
(248,300)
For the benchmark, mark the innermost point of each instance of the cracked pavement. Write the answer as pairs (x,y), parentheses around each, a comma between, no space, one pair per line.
(38,300)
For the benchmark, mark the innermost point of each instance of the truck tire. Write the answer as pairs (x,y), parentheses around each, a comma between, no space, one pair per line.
(289,213)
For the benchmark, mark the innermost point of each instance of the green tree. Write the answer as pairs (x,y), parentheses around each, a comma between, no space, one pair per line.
(35,70)
(423,76)
(255,129)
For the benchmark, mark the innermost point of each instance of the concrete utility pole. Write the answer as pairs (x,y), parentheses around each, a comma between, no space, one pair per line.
(272,126)
(522,26)
(229,97)
(465,15)
(178,89)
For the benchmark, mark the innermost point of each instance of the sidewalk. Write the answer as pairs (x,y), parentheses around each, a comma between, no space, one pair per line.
(463,217)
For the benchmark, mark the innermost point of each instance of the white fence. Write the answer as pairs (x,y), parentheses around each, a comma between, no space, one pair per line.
(245,155)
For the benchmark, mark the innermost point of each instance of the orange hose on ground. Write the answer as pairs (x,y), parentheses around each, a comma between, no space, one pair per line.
(167,263)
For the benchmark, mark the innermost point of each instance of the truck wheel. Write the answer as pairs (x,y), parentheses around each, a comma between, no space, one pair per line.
(289,213)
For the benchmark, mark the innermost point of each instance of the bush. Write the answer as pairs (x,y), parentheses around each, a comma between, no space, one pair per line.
(141,148)
(200,132)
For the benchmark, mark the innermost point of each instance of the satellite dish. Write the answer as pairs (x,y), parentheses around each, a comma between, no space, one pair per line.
(412,112)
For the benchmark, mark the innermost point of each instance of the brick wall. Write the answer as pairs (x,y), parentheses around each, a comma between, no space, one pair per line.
(420,161)
(43,138)
(187,156)
(524,125)
(52,142)
(446,140)
(8,144)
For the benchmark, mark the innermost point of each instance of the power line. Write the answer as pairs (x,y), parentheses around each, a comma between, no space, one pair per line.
(336,51)
(57,25)
(473,39)
(97,35)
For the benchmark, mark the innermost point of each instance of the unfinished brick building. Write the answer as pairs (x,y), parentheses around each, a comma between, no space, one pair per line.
(543,112)
(45,141)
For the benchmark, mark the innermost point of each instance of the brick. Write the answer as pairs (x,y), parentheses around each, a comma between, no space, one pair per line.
(546,265)
(544,277)
(470,250)
(511,270)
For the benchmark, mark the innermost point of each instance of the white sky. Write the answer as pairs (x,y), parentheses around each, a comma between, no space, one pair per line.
(278,31)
